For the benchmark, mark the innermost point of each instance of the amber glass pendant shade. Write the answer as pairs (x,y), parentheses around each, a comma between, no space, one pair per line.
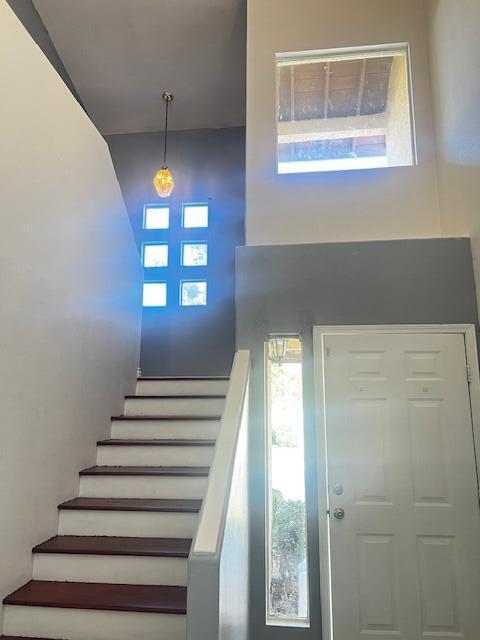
(163,179)
(163,182)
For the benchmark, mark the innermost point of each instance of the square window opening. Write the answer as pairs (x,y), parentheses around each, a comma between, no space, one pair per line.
(193,293)
(156,217)
(155,255)
(195,216)
(344,109)
(194,254)
(154,294)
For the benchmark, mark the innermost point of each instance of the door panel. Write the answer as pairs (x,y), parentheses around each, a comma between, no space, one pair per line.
(405,558)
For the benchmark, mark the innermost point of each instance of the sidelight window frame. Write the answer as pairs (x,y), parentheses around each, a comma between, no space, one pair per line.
(272,620)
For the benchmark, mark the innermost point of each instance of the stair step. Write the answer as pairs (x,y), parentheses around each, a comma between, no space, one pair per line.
(132,504)
(148,405)
(145,427)
(163,442)
(83,624)
(123,561)
(101,596)
(207,387)
(145,471)
(155,452)
(117,546)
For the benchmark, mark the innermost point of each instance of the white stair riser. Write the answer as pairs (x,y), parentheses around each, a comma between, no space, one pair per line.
(87,624)
(154,456)
(181,387)
(111,569)
(143,486)
(161,429)
(173,406)
(126,523)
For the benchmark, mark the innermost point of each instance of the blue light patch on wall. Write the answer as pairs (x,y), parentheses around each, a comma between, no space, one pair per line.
(193,293)
(154,294)
(156,216)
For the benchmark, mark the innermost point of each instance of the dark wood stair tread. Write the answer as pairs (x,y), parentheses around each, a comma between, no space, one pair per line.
(177,397)
(145,471)
(21,638)
(133,504)
(174,378)
(101,596)
(155,442)
(167,417)
(117,546)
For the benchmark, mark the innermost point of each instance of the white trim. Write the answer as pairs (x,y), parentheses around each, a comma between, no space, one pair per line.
(211,523)
(471,353)
(341,53)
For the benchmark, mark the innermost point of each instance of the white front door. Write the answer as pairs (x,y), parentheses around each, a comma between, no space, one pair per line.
(405,558)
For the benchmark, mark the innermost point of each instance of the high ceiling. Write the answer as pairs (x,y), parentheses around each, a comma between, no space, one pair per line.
(122,54)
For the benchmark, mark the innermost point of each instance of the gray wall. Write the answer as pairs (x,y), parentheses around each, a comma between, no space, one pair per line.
(29,17)
(294,287)
(207,165)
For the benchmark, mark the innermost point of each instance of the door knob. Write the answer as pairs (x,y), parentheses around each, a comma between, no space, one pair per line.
(339,513)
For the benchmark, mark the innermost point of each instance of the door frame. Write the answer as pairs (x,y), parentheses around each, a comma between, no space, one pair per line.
(473,372)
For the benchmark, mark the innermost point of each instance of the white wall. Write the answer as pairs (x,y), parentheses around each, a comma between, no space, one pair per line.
(453,29)
(357,205)
(70,297)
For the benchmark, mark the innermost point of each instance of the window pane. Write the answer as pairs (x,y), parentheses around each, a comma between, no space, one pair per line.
(287,577)
(194,254)
(154,294)
(155,255)
(156,217)
(345,110)
(195,215)
(193,293)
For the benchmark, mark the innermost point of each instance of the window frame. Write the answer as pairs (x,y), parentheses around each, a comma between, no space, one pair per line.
(192,205)
(270,620)
(186,242)
(347,53)
(155,243)
(155,206)
(193,280)
(155,306)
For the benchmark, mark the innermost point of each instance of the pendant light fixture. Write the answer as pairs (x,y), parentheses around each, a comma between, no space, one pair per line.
(163,179)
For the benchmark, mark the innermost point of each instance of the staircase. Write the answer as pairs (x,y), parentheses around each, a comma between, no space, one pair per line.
(118,567)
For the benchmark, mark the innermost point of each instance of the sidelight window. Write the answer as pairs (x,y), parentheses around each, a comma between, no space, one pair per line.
(286,548)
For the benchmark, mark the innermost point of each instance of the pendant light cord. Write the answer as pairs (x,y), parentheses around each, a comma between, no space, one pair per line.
(167,102)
